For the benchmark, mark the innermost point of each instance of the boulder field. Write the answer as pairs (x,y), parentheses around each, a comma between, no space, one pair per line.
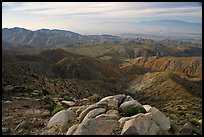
(109,117)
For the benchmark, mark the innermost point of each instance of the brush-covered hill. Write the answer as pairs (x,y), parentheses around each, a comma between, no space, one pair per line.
(189,66)
(174,95)
(119,51)
(62,64)
(56,69)
(47,38)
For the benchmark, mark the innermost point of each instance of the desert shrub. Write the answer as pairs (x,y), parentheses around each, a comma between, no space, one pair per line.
(133,110)
(194,131)
(45,92)
(40,93)
(94,98)
(66,97)
(57,109)
(173,129)
(195,122)
(50,106)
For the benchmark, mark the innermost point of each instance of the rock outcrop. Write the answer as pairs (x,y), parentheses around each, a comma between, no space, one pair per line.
(61,119)
(106,117)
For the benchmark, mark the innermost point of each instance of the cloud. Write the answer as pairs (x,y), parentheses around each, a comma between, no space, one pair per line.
(80,14)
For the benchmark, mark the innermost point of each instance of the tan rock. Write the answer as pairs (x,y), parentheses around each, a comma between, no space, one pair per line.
(91,107)
(61,119)
(110,114)
(125,105)
(68,103)
(147,107)
(96,127)
(162,121)
(95,112)
(81,108)
(72,129)
(140,125)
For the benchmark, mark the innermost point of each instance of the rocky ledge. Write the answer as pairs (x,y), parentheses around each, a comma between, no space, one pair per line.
(112,115)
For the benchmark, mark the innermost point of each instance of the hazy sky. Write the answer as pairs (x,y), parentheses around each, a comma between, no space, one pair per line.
(94,17)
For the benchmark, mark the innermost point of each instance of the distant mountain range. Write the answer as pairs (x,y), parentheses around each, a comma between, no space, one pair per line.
(155,30)
(47,37)
(165,29)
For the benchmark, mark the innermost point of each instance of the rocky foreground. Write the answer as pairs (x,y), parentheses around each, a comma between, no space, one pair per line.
(114,115)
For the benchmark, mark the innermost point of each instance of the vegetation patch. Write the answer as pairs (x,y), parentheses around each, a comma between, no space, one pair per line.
(133,110)
(67,98)
(94,98)
(57,109)
(173,129)
(43,92)
(195,122)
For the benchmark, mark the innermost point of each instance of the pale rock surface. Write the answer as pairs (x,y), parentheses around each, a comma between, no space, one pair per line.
(162,121)
(128,98)
(140,125)
(110,114)
(81,108)
(112,103)
(119,98)
(68,103)
(147,107)
(96,127)
(91,107)
(61,119)
(95,112)
(125,105)
(73,108)
(72,129)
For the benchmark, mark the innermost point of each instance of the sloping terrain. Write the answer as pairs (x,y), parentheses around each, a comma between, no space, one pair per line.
(50,65)
(47,38)
(119,51)
(190,66)
(180,98)
(167,75)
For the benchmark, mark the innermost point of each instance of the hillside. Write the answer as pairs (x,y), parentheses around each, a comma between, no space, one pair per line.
(47,38)
(177,97)
(51,65)
(119,51)
(45,77)
(190,66)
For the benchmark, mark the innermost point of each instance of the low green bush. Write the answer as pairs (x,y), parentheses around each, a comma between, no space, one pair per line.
(194,131)
(45,92)
(67,98)
(57,109)
(133,110)
(195,122)
(173,129)
(94,98)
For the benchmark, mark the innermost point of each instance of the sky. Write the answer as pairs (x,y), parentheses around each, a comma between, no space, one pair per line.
(95,17)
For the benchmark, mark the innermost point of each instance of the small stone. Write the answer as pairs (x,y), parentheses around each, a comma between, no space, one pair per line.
(22,124)
(7,102)
(68,103)
(46,113)
(5,130)
(147,107)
